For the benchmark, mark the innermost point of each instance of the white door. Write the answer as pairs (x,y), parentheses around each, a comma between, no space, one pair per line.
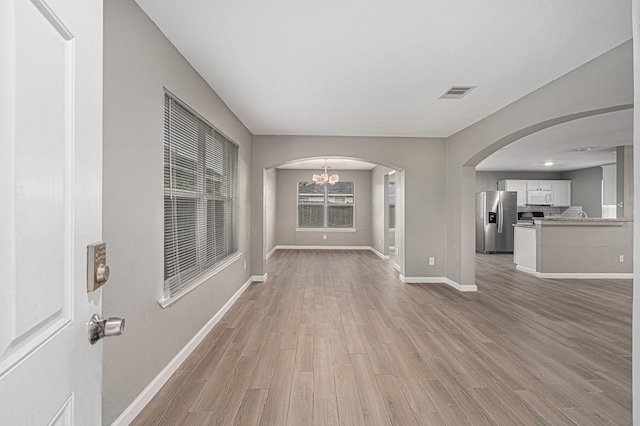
(50,209)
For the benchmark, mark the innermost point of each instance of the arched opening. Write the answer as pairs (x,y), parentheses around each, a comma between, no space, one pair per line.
(354,213)
(573,145)
(491,148)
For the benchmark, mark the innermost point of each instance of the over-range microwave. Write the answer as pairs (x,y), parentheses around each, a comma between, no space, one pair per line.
(540,198)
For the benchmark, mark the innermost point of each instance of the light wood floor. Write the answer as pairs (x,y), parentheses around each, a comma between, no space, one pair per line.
(333,337)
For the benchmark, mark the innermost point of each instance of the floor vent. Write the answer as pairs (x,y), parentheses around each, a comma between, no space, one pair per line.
(456,92)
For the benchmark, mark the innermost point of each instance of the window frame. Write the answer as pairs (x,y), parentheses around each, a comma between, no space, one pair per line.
(209,260)
(326,204)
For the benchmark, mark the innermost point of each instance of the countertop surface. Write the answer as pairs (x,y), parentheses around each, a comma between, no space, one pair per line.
(524,225)
(581,219)
(573,221)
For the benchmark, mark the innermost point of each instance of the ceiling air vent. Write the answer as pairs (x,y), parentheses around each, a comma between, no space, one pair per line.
(456,92)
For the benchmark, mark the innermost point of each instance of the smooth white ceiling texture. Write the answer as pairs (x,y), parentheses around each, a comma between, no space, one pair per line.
(577,144)
(378,68)
(332,164)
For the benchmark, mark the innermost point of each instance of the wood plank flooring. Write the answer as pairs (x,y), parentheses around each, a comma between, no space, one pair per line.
(334,338)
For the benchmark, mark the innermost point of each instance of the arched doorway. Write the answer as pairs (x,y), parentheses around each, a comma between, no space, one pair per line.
(466,174)
(368,201)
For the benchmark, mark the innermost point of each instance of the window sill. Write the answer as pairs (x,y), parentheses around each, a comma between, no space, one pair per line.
(165,302)
(326,229)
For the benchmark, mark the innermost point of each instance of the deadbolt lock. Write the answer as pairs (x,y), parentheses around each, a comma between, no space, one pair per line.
(97,268)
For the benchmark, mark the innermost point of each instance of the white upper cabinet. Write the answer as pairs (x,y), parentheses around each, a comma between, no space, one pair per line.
(561,192)
(538,185)
(520,186)
(561,189)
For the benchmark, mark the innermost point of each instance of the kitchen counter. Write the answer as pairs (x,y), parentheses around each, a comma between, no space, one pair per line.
(573,221)
(580,221)
(566,247)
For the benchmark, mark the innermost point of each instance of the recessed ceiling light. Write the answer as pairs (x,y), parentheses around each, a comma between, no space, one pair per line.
(585,149)
(549,163)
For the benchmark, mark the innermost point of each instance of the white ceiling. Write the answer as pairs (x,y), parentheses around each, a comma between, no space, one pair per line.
(377,68)
(578,144)
(332,163)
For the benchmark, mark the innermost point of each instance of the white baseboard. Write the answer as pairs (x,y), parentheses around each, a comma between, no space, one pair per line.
(438,280)
(273,250)
(376,252)
(525,270)
(380,255)
(156,384)
(259,278)
(422,280)
(323,247)
(577,275)
(461,287)
(397,267)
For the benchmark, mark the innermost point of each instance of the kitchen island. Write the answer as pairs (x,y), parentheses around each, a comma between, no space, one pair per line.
(575,248)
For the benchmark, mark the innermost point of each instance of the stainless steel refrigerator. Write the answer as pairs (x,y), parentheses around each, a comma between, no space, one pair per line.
(496,213)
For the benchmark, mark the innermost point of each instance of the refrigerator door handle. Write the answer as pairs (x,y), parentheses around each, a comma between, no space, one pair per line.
(500,217)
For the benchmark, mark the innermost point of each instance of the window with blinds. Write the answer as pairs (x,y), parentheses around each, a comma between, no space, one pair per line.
(326,206)
(200,197)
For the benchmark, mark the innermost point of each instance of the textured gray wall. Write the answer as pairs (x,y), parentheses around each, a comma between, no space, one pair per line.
(286,211)
(624,181)
(270,194)
(635,349)
(585,249)
(586,189)
(138,62)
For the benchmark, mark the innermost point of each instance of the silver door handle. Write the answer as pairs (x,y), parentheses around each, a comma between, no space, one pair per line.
(104,327)
(499,217)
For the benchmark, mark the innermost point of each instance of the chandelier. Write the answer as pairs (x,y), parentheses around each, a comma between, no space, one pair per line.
(325,178)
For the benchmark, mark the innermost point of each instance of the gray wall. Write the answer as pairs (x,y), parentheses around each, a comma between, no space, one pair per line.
(270,193)
(138,63)
(635,338)
(379,201)
(423,163)
(586,189)
(624,181)
(286,211)
(584,249)
(488,181)
(610,81)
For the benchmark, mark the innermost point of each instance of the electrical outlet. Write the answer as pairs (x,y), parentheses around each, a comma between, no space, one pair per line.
(432,261)
(621,258)
(244,265)
(324,237)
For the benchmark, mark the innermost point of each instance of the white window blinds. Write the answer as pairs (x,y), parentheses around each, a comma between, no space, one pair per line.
(200,197)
